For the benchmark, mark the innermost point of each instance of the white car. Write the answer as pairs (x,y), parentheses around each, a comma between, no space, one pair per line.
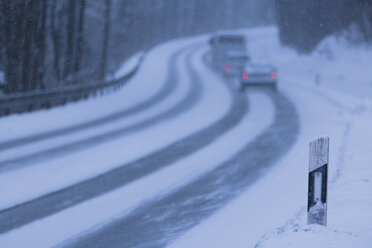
(223,42)
(258,75)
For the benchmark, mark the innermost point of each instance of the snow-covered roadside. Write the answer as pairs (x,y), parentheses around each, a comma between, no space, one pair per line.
(340,74)
(129,65)
(349,200)
(49,231)
(146,83)
(272,212)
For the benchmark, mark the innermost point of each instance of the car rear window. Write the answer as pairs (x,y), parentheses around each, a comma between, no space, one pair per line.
(232,39)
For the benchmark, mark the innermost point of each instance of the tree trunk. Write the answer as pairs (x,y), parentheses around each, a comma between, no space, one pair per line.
(70,42)
(80,39)
(11,46)
(56,40)
(105,41)
(28,30)
(40,43)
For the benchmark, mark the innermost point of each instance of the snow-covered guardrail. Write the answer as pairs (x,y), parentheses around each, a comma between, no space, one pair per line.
(29,101)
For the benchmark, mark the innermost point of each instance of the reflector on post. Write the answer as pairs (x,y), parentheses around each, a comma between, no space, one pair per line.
(317,193)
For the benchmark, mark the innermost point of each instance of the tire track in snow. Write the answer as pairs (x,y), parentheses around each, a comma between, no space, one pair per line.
(166,90)
(52,203)
(169,87)
(159,222)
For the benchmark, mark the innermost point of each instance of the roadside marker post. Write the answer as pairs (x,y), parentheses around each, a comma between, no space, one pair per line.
(317,188)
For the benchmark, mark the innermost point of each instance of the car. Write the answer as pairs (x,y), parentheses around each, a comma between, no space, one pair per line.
(255,74)
(234,62)
(223,42)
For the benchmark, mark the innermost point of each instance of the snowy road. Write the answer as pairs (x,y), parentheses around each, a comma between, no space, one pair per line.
(58,142)
(48,204)
(145,174)
(163,220)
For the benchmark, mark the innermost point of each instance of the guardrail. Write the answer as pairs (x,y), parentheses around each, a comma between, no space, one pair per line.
(44,99)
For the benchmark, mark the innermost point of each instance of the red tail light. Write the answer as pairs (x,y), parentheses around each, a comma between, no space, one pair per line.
(245,75)
(273,74)
(227,67)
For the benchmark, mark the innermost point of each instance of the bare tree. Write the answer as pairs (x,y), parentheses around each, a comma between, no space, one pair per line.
(63,32)
(80,36)
(28,29)
(105,40)
(40,43)
(70,39)
(56,34)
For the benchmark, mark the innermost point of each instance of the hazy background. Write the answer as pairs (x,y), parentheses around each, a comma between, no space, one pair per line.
(51,43)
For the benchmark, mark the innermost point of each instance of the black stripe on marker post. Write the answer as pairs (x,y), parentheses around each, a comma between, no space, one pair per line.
(317,184)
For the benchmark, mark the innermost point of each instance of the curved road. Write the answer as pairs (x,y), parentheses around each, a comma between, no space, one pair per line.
(165,91)
(171,82)
(46,205)
(162,220)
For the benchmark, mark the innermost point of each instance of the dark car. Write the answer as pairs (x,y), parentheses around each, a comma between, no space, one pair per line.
(255,74)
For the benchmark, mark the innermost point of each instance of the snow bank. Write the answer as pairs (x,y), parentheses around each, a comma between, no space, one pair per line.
(129,65)
(340,74)
(310,237)
(349,200)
